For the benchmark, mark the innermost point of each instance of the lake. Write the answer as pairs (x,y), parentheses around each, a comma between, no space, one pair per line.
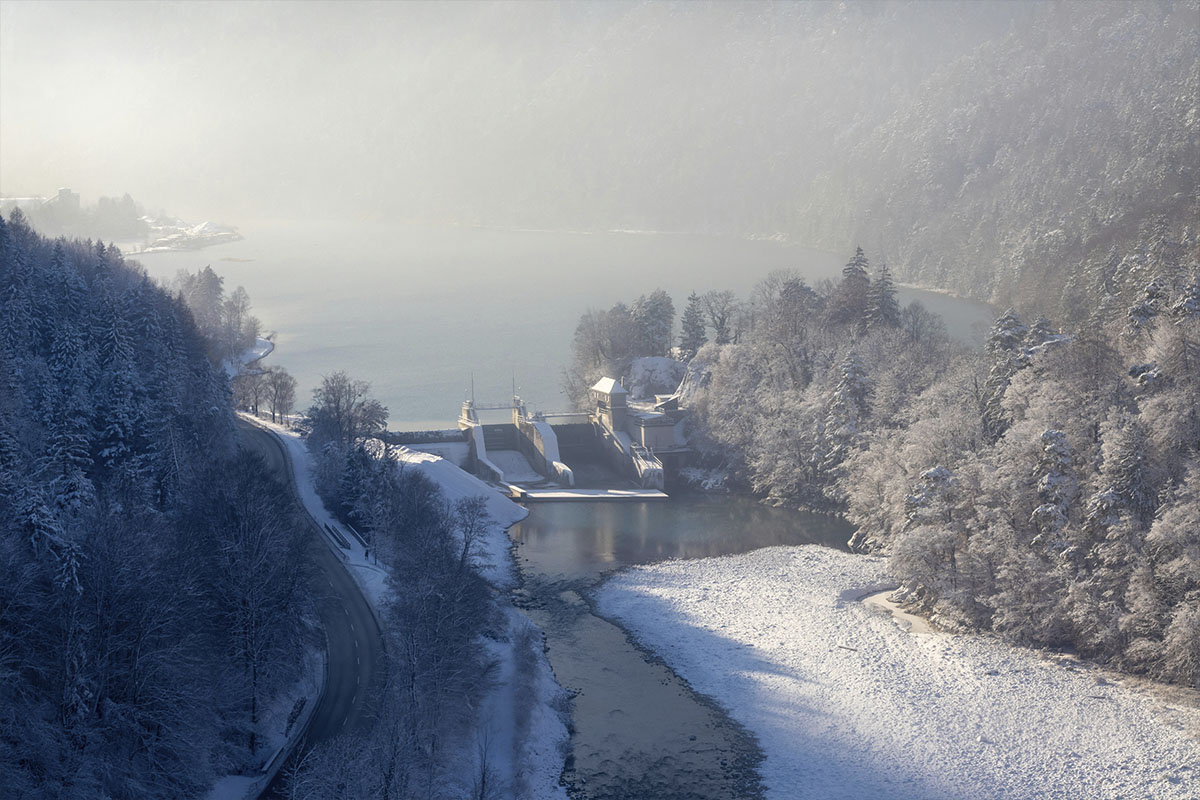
(419,311)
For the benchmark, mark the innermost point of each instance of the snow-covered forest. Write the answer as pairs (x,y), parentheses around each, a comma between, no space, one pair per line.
(1045,487)
(150,609)
(438,610)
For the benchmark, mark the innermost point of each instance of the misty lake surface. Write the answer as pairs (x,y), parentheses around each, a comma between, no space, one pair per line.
(639,731)
(418,310)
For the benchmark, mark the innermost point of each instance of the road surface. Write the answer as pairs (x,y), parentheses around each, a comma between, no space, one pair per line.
(354,642)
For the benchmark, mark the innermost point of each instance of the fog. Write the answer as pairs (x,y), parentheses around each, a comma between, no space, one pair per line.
(674,116)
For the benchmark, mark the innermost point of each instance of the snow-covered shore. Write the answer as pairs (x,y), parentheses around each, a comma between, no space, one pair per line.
(166,235)
(847,704)
(523,731)
(522,727)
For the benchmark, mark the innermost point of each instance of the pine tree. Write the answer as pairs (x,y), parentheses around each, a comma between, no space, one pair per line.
(1142,314)
(67,458)
(654,319)
(1004,344)
(17,321)
(847,411)
(882,309)
(1126,470)
(692,336)
(1006,334)
(1057,489)
(851,300)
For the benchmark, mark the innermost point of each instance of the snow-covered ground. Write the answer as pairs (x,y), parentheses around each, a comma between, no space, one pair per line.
(457,484)
(523,734)
(847,704)
(361,565)
(457,453)
(246,361)
(168,234)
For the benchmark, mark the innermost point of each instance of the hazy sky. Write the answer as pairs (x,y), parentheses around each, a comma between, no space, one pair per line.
(240,109)
(223,105)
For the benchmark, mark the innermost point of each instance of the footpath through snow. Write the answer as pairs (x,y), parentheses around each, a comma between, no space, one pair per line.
(847,704)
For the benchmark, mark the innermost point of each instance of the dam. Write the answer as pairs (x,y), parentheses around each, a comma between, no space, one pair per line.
(617,449)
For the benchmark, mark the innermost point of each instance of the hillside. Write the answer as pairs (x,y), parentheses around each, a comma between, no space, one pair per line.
(149,610)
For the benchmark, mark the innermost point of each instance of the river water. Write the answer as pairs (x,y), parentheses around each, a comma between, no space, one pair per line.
(640,732)
(419,311)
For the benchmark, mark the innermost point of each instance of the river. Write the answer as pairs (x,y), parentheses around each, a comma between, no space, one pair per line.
(638,730)
(420,311)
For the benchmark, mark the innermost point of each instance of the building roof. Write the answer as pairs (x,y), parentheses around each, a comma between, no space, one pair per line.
(609,386)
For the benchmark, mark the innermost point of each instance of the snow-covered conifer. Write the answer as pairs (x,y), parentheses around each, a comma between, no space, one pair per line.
(654,319)
(852,296)
(1007,333)
(1181,644)
(1057,488)
(882,309)
(848,409)
(692,336)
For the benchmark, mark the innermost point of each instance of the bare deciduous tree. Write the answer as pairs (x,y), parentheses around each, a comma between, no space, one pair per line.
(343,410)
(281,393)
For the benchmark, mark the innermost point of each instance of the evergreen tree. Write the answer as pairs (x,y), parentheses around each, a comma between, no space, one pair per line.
(692,336)
(1142,314)
(1057,489)
(1007,334)
(67,459)
(654,320)
(1126,469)
(1004,343)
(851,299)
(847,411)
(883,311)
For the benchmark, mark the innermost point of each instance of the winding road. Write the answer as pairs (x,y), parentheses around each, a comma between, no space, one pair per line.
(352,636)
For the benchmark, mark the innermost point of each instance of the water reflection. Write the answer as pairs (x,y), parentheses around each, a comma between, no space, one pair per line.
(639,731)
(578,541)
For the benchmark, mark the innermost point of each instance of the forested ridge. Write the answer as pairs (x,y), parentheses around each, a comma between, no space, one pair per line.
(149,603)
(1030,168)
(1005,151)
(1046,486)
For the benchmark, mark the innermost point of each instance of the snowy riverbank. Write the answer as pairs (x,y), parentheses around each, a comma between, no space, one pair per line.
(847,704)
(522,734)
